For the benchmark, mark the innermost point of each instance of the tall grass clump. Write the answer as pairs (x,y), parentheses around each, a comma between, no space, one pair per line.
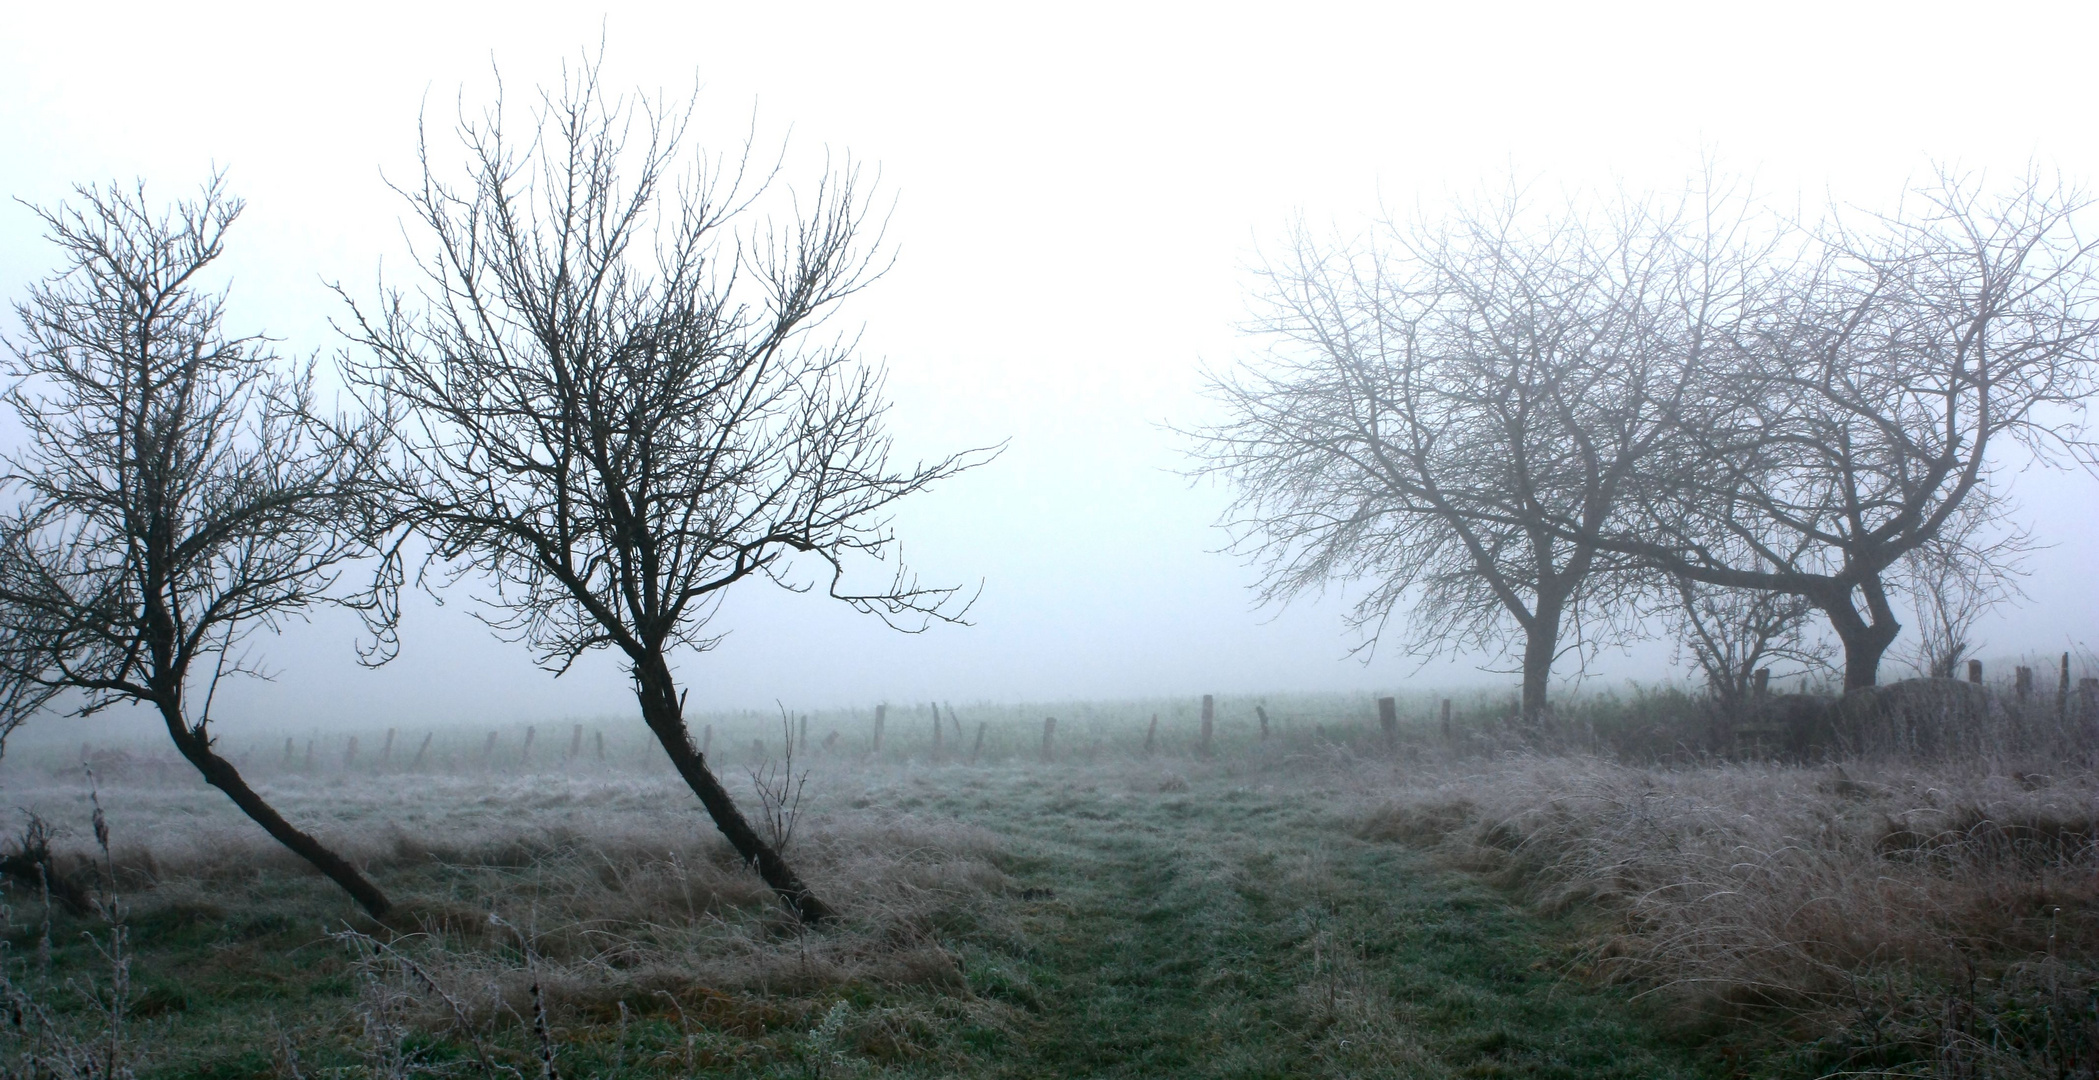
(1886,914)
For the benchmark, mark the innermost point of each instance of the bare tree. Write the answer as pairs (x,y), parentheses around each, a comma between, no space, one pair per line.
(1955,580)
(1439,398)
(174,493)
(1886,377)
(1731,633)
(617,405)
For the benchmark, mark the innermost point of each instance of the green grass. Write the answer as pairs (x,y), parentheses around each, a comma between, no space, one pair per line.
(1181,919)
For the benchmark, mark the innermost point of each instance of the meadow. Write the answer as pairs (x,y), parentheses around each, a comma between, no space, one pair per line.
(1624,892)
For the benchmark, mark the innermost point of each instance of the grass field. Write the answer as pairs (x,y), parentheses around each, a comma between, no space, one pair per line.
(1312,904)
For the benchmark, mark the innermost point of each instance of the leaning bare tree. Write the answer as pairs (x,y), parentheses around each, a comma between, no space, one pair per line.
(174,493)
(1882,384)
(1436,399)
(617,403)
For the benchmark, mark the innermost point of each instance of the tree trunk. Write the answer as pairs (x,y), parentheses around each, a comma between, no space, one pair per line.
(1865,642)
(660,709)
(1863,648)
(195,746)
(1541,645)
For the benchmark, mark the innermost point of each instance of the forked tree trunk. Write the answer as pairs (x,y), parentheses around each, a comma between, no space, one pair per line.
(1865,637)
(195,746)
(661,711)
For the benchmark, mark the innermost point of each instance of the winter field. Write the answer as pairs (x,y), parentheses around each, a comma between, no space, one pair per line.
(1621,894)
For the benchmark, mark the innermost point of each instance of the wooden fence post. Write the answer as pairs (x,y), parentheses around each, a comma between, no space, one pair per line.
(575,744)
(1263,714)
(1388,720)
(1448,735)
(2022,683)
(287,751)
(1760,683)
(1049,735)
(525,758)
(938,733)
(309,753)
(1209,719)
(386,752)
(423,749)
(1974,671)
(957,721)
(979,747)
(2062,694)
(881,714)
(1151,737)
(488,752)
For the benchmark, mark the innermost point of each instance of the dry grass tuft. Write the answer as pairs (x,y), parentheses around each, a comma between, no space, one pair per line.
(1927,907)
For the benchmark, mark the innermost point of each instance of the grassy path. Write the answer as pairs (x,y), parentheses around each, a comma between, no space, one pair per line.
(1242,932)
(1212,926)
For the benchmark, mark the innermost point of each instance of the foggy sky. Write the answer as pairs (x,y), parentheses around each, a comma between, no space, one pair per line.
(1080,191)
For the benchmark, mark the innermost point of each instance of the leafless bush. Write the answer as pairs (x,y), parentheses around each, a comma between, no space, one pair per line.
(780,789)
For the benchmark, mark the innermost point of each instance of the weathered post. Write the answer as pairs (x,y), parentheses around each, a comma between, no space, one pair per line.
(979,747)
(2022,683)
(287,751)
(386,752)
(1263,714)
(1974,671)
(937,732)
(350,752)
(525,758)
(957,721)
(488,751)
(1209,722)
(1049,735)
(599,738)
(420,751)
(1388,720)
(1761,681)
(1447,734)
(2062,694)
(575,744)
(881,714)
(1151,737)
